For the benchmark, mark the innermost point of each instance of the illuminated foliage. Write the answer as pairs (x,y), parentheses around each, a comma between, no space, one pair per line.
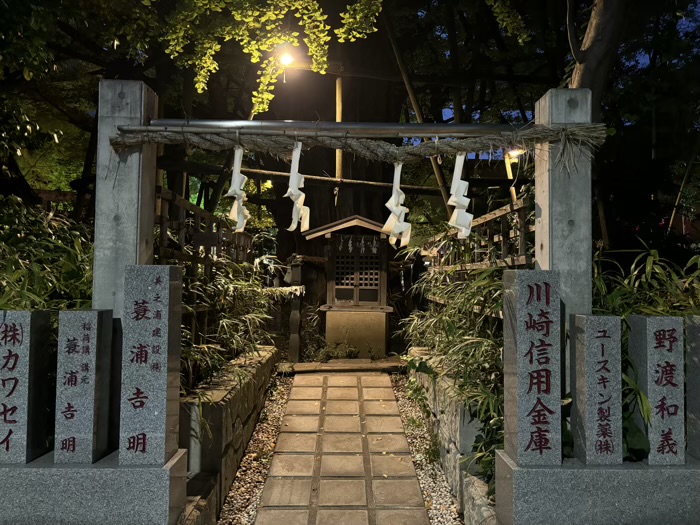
(197,28)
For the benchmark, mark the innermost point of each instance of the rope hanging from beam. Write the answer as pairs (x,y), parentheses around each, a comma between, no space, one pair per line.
(585,137)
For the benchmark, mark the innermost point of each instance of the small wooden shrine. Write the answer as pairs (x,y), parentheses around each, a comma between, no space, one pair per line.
(357,313)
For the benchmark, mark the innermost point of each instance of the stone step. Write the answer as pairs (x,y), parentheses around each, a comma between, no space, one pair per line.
(388,365)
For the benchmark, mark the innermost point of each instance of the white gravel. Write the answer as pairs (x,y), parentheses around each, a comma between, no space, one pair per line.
(241,504)
(442,509)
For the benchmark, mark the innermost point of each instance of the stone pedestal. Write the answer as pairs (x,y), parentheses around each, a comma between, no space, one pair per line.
(82,387)
(106,492)
(578,494)
(656,349)
(150,390)
(532,366)
(26,410)
(366,330)
(596,416)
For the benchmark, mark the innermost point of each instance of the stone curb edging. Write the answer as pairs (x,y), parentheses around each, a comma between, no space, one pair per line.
(216,426)
(455,433)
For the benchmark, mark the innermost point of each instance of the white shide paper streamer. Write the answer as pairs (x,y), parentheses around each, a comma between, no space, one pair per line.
(460,219)
(396,227)
(238,212)
(296,181)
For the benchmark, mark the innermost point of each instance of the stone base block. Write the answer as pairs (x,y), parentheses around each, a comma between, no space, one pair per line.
(42,492)
(476,508)
(455,423)
(368,331)
(575,494)
(454,466)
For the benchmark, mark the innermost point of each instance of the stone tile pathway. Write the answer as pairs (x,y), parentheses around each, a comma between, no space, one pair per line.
(342,457)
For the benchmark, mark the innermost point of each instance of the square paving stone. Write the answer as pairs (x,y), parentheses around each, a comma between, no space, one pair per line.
(342,380)
(387,443)
(288,442)
(342,492)
(277,516)
(300,424)
(341,424)
(402,516)
(342,393)
(341,517)
(376,381)
(392,466)
(342,465)
(381,407)
(342,407)
(303,407)
(398,492)
(307,380)
(286,493)
(385,394)
(292,465)
(306,392)
(341,443)
(383,424)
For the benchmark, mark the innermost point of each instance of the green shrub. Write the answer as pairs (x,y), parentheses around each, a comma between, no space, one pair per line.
(45,259)
(463,331)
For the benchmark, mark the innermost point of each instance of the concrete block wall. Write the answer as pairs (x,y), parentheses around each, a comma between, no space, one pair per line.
(216,427)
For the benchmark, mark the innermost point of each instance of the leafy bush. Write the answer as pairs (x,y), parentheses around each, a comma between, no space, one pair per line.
(464,335)
(652,286)
(239,309)
(45,259)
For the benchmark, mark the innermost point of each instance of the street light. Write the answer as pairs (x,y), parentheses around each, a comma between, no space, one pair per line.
(286,59)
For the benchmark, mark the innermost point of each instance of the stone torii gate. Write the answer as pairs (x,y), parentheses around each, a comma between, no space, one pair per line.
(127,176)
(126,180)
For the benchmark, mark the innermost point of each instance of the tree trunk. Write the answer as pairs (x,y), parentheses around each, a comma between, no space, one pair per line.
(597,53)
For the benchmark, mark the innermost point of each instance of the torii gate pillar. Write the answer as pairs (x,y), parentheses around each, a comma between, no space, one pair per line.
(563,213)
(124,191)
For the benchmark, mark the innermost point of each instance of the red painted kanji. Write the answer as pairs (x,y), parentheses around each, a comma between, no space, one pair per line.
(138,399)
(666,374)
(14,381)
(68,444)
(141,311)
(137,443)
(10,361)
(69,412)
(539,292)
(139,354)
(11,334)
(665,339)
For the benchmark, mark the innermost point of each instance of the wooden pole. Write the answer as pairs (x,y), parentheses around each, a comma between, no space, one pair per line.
(339,118)
(439,176)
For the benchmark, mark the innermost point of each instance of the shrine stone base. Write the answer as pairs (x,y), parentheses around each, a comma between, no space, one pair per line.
(578,494)
(367,330)
(42,492)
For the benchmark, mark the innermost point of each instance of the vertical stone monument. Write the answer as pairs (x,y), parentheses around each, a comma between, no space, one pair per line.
(656,349)
(532,366)
(82,385)
(692,341)
(150,390)
(26,400)
(596,417)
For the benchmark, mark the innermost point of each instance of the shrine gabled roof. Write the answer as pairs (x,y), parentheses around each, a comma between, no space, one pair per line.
(347,222)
